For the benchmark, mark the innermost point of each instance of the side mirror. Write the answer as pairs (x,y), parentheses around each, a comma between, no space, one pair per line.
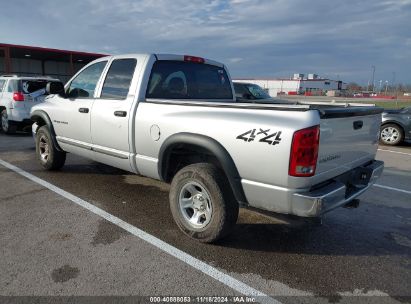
(55,88)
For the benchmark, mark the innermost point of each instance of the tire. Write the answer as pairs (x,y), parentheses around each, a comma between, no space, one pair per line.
(204,189)
(47,154)
(391,134)
(6,126)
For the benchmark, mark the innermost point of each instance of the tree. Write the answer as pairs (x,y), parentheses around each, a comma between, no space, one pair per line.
(354,87)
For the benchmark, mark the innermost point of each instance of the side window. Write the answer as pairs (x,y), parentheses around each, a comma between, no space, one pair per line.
(13,86)
(2,85)
(240,90)
(84,84)
(118,80)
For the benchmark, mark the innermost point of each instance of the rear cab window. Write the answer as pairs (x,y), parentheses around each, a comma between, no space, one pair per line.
(188,80)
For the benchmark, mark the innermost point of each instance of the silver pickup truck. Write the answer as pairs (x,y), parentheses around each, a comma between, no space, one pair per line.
(175,118)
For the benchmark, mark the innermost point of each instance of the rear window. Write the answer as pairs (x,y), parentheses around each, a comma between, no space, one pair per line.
(188,80)
(31,86)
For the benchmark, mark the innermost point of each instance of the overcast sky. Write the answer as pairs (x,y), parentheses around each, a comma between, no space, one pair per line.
(255,38)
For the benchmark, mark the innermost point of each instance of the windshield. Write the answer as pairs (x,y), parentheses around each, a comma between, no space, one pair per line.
(188,80)
(258,92)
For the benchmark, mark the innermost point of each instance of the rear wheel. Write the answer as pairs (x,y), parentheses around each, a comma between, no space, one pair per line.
(391,134)
(6,126)
(202,203)
(47,154)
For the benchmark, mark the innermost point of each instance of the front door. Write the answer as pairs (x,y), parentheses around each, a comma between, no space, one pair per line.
(72,114)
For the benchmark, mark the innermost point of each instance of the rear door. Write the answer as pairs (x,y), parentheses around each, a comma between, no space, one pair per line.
(111,115)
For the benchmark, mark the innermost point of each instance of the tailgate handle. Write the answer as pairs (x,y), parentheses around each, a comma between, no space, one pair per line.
(358,124)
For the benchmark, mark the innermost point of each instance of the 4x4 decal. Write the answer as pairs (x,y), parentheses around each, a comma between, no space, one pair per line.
(264,135)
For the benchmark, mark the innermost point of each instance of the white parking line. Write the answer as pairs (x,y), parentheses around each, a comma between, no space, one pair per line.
(397,152)
(392,188)
(175,252)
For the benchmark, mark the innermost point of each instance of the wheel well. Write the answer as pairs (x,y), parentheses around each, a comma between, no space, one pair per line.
(182,149)
(41,118)
(393,123)
(2,108)
(39,121)
(182,155)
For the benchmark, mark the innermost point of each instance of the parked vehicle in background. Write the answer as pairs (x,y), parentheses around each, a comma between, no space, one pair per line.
(250,92)
(395,126)
(175,118)
(17,96)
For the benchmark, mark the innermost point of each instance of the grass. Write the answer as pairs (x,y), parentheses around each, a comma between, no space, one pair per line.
(393,104)
(384,103)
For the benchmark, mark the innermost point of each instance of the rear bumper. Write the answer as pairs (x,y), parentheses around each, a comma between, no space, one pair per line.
(337,192)
(19,115)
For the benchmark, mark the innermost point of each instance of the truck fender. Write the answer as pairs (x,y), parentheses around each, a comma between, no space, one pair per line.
(41,118)
(213,147)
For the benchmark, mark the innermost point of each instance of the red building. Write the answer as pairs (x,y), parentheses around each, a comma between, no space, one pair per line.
(34,61)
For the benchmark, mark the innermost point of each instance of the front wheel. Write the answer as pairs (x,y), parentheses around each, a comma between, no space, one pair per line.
(391,134)
(202,203)
(47,154)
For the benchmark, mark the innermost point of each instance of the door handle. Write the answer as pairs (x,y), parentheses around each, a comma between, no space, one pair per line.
(120,113)
(83,110)
(357,124)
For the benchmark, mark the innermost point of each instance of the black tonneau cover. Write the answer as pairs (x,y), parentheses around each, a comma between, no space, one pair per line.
(326,110)
(329,111)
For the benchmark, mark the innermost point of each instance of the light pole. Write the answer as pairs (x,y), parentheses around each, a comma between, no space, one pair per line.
(372,79)
(386,87)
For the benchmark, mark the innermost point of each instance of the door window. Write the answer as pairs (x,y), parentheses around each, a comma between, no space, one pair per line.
(2,85)
(118,80)
(13,86)
(84,85)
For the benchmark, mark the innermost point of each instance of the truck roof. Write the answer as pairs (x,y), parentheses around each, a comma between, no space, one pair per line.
(175,57)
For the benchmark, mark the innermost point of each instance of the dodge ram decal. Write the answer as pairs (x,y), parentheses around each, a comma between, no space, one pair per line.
(262,136)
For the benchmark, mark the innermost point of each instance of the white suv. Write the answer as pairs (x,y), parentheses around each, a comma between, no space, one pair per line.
(17,96)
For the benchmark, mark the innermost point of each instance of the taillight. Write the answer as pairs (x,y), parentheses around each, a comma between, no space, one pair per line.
(304,152)
(17,96)
(193,59)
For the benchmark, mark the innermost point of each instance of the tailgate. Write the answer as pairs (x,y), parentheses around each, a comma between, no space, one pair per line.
(348,139)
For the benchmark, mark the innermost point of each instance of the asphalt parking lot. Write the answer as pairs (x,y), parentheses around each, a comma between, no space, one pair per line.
(53,246)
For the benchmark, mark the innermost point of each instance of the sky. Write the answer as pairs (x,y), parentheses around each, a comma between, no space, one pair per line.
(254,38)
